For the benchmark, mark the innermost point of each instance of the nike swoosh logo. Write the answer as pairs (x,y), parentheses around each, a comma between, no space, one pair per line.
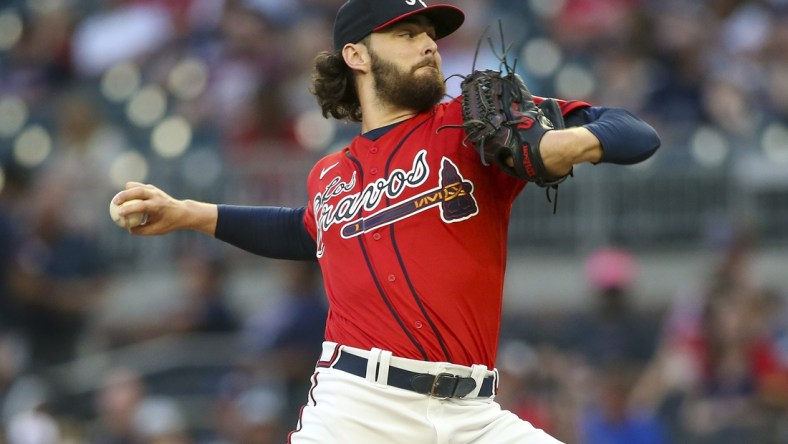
(327,169)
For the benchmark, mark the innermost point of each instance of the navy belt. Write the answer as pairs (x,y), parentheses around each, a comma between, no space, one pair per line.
(442,385)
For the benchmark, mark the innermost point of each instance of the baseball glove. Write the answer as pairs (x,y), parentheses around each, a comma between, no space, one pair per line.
(503,122)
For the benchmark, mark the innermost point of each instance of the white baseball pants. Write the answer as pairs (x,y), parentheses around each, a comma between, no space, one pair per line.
(346,409)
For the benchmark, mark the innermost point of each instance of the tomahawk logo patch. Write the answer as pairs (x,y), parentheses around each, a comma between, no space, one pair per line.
(453,197)
(338,204)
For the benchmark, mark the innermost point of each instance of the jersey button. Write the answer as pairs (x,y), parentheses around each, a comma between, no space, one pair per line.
(392,278)
(418,324)
(373,171)
(373,150)
(376,236)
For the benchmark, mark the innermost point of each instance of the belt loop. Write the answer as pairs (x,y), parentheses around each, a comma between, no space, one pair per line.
(372,364)
(478,372)
(329,352)
(383,370)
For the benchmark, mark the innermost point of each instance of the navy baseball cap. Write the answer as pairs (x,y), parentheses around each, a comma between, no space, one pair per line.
(357,19)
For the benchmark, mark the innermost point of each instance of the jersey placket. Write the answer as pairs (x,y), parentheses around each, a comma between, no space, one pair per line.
(386,275)
(378,247)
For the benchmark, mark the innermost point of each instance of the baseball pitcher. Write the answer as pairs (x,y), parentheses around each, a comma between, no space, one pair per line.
(409,224)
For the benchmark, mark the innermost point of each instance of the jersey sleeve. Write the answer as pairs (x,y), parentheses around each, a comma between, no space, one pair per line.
(567,106)
(626,139)
(274,232)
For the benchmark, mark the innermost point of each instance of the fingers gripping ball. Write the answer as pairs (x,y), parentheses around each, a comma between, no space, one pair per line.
(130,220)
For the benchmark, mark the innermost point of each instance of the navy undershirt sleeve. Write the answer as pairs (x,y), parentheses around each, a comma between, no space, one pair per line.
(274,232)
(626,139)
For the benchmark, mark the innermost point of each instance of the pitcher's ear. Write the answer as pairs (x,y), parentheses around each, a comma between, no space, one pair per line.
(357,57)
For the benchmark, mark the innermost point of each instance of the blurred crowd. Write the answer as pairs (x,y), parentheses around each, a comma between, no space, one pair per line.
(709,367)
(209,98)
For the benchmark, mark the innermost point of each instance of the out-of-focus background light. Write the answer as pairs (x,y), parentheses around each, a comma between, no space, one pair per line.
(709,147)
(313,131)
(547,8)
(13,115)
(10,30)
(542,57)
(130,166)
(147,106)
(574,80)
(120,82)
(171,137)
(775,143)
(32,146)
(188,79)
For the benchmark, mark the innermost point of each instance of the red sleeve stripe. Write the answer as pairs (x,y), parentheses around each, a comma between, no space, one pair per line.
(567,106)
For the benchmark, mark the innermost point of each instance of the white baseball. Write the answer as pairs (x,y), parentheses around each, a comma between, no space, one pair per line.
(129,221)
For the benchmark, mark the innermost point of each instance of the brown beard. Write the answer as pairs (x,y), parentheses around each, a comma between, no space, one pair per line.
(406,89)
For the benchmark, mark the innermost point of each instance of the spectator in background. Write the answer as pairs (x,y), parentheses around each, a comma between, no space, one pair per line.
(284,339)
(13,362)
(206,307)
(717,367)
(13,190)
(121,394)
(609,344)
(26,414)
(39,65)
(612,330)
(127,412)
(611,417)
(776,70)
(298,59)
(14,348)
(246,77)
(78,171)
(549,386)
(57,277)
(160,420)
(296,323)
(202,305)
(717,374)
(529,391)
(250,415)
(773,383)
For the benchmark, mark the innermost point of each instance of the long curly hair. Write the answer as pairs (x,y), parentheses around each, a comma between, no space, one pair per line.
(333,83)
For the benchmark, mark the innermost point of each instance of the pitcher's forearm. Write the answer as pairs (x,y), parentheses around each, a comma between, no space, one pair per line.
(200,216)
(562,149)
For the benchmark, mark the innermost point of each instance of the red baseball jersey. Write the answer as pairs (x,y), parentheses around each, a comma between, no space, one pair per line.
(411,233)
